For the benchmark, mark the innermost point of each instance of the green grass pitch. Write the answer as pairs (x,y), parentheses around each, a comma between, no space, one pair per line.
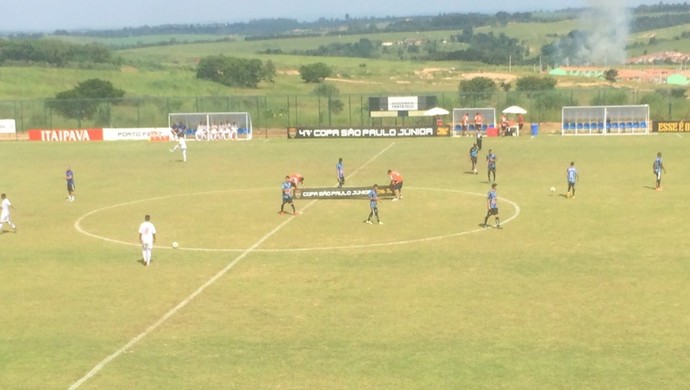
(590,292)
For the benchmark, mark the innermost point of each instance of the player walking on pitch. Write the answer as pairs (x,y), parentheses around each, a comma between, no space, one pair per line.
(573,177)
(658,168)
(474,152)
(492,207)
(147,237)
(69,177)
(491,166)
(340,172)
(6,205)
(286,188)
(373,196)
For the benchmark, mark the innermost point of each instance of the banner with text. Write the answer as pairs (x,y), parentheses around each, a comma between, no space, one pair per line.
(66,135)
(135,134)
(671,126)
(353,132)
(341,193)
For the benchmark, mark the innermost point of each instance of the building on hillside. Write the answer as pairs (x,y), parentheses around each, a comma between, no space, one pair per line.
(665,57)
(678,79)
(578,71)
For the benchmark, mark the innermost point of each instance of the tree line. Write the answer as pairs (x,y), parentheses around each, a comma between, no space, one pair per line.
(53,52)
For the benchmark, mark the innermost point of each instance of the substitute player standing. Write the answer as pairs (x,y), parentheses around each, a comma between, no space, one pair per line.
(573,177)
(373,196)
(69,177)
(286,189)
(492,207)
(340,172)
(658,168)
(147,237)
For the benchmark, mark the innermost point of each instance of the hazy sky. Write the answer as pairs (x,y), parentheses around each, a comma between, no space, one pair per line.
(48,15)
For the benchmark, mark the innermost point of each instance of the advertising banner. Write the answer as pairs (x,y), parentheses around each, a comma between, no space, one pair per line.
(66,135)
(134,134)
(352,132)
(341,193)
(8,126)
(671,126)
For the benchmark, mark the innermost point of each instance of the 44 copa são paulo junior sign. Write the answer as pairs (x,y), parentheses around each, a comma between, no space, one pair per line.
(354,132)
(340,193)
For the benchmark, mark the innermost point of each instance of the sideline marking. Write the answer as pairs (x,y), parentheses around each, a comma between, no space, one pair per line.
(198,291)
(515,206)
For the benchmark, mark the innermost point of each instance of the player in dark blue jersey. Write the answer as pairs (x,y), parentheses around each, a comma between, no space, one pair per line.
(658,168)
(474,152)
(69,177)
(491,166)
(572,177)
(492,207)
(340,172)
(373,205)
(287,196)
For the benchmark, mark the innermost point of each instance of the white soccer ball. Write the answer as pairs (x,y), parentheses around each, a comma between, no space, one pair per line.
(553,189)
(175,245)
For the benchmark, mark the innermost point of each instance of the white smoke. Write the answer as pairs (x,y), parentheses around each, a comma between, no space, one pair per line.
(607,24)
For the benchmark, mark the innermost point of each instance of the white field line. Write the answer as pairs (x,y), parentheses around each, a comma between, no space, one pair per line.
(198,291)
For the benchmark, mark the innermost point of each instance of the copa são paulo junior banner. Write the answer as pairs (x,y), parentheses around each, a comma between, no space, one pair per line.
(341,193)
(355,132)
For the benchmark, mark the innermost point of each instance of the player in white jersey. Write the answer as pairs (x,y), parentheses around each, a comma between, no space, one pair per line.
(5,214)
(182,145)
(147,237)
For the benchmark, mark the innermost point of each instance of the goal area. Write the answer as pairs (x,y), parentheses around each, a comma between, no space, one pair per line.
(605,120)
(191,122)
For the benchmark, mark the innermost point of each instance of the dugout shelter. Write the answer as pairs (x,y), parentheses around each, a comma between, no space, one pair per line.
(605,120)
(488,114)
(191,121)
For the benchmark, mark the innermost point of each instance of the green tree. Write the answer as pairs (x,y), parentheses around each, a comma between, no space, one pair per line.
(234,72)
(478,89)
(269,72)
(315,73)
(535,84)
(87,99)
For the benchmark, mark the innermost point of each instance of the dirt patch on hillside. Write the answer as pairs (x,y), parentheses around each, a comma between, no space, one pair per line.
(352,81)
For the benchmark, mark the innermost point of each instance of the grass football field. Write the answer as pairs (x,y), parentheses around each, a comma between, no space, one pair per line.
(590,292)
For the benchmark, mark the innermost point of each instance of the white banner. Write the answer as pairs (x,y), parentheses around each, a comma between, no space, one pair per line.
(8,126)
(134,134)
(403,103)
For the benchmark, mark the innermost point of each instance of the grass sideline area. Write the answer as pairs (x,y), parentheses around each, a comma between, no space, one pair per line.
(588,292)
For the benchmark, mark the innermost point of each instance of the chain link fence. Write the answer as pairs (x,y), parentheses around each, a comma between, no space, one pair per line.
(275,112)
